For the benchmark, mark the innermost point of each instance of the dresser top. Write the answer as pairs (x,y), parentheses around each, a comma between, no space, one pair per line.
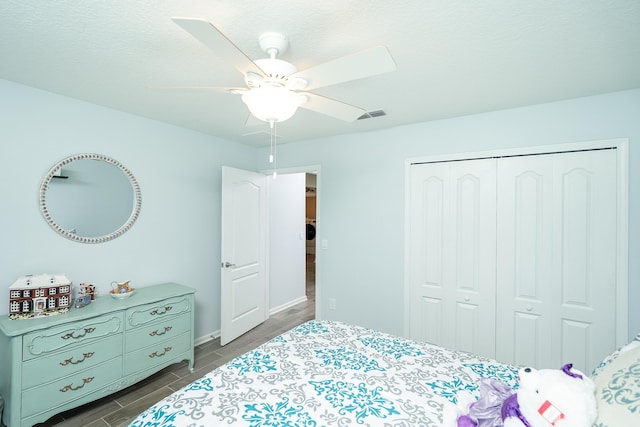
(103,304)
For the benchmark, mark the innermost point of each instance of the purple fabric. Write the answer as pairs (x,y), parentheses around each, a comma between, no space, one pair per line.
(466,421)
(487,409)
(511,408)
(567,370)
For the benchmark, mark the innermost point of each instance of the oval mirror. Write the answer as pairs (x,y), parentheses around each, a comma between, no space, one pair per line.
(90,198)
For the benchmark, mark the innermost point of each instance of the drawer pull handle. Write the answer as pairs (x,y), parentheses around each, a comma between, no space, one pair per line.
(155,353)
(75,337)
(156,312)
(158,333)
(71,387)
(70,360)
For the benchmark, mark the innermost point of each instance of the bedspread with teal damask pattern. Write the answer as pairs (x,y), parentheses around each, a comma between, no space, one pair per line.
(329,374)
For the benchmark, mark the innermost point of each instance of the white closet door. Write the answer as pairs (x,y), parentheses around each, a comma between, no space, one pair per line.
(452,260)
(556,280)
(526,290)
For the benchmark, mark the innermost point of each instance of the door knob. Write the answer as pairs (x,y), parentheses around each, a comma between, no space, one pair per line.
(227,264)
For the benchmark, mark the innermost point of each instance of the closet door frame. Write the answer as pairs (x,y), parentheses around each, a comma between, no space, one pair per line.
(622,211)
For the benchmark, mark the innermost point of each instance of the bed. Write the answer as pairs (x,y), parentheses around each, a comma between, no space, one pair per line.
(327,373)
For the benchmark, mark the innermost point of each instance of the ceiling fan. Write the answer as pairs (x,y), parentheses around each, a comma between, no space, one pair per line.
(275,88)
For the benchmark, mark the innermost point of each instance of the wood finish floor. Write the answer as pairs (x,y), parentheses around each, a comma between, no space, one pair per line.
(119,409)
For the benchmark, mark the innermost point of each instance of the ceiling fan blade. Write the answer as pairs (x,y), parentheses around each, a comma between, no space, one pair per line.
(215,40)
(359,65)
(197,88)
(331,107)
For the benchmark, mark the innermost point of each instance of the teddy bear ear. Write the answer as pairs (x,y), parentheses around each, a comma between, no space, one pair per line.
(567,370)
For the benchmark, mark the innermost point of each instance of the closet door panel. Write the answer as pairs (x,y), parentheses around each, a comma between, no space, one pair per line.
(452,251)
(470,269)
(556,258)
(575,343)
(575,191)
(524,281)
(429,205)
(585,261)
(526,324)
(430,316)
(471,325)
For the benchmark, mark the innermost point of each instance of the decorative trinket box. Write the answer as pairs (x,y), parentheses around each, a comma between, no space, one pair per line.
(82,301)
(87,289)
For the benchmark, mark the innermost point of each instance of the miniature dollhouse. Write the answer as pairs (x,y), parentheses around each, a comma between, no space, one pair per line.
(39,295)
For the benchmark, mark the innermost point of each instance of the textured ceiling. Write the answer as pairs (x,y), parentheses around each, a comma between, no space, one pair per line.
(454,57)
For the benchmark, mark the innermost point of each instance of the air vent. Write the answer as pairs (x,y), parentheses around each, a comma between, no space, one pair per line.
(372,114)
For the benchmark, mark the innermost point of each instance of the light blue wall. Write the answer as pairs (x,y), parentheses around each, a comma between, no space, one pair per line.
(362,193)
(177,236)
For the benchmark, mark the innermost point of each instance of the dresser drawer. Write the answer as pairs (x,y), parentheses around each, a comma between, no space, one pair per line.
(70,388)
(47,341)
(157,332)
(156,354)
(70,361)
(168,308)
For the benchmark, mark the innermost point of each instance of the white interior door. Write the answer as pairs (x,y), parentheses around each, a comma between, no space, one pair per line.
(527,293)
(244,298)
(453,255)
(557,251)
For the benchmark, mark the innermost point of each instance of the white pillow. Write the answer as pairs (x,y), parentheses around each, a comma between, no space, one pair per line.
(634,343)
(618,389)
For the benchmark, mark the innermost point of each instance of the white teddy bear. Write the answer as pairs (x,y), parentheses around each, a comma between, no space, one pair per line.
(546,397)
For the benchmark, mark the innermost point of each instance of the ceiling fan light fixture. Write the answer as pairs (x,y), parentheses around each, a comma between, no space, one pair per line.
(272,103)
(273,85)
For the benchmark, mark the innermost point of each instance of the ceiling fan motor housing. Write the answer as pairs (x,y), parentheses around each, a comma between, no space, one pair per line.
(276,69)
(273,44)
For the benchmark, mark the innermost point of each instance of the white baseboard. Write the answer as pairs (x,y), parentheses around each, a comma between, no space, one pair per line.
(206,338)
(216,334)
(287,305)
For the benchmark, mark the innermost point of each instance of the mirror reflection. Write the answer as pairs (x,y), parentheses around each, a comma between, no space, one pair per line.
(90,198)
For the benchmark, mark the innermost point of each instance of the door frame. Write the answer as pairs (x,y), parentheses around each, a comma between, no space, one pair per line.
(316,169)
(622,239)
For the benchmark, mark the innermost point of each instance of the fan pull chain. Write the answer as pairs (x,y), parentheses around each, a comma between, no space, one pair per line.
(271,128)
(272,147)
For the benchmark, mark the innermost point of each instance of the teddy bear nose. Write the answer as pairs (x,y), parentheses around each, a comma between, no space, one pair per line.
(527,370)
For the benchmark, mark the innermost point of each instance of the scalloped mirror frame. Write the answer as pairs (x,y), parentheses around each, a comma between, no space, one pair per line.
(82,239)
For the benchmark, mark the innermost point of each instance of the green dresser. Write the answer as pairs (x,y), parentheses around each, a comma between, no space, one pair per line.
(51,364)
